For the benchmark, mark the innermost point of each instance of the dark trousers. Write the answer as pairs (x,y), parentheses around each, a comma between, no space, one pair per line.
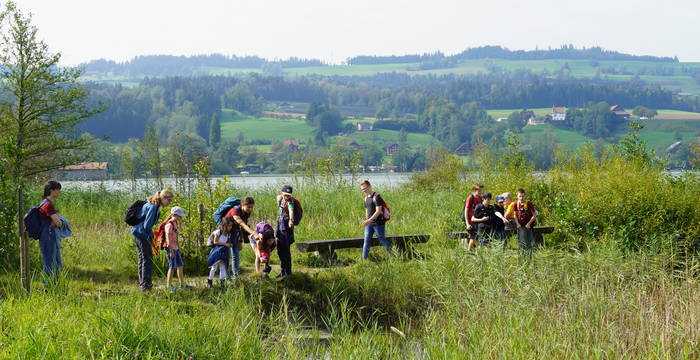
(285,239)
(145,254)
(525,240)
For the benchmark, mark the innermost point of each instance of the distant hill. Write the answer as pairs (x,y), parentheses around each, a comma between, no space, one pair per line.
(169,65)
(497,52)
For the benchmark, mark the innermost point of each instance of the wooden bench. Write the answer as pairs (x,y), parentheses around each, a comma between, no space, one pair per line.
(326,248)
(538,232)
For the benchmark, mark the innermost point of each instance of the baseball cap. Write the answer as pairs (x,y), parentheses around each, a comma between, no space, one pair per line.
(176,210)
(287,189)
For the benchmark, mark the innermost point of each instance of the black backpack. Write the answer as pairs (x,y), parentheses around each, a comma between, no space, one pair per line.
(33,222)
(132,217)
(298,212)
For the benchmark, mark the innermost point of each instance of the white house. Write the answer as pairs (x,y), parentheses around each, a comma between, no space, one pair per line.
(558,113)
(365,126)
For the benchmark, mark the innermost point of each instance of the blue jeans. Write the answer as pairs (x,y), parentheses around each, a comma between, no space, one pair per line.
(51,261)
(235,259)
(369,232)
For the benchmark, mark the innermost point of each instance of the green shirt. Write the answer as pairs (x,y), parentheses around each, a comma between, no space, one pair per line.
(286,208)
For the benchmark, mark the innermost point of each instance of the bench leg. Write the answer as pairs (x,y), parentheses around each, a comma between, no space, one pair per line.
(539,240)
(327,255)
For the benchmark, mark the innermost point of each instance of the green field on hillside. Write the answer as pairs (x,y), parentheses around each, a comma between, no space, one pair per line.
(656,140)
(383,137)
(275,130)
(263,128)
(499,113)
(568,138)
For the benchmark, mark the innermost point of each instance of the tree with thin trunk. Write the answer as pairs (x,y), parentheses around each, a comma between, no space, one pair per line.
(214,131)
(40,105)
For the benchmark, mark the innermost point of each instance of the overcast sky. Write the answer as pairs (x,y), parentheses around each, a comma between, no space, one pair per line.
(331,30)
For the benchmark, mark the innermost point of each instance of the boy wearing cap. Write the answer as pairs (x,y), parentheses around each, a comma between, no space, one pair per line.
(285,230)
(172,226)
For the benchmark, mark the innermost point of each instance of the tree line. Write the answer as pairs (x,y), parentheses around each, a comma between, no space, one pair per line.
(498,52)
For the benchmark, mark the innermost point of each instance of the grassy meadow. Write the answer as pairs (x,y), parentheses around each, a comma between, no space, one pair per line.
(615,280)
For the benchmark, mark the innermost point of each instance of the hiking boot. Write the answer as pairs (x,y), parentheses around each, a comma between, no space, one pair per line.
(172,289)
(184,286)
(209,283)
(279,275)
(223,284)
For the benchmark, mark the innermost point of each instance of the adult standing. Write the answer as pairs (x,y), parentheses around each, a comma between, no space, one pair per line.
(375,222)
(143,235)
(470,204)
(525,216)
(51,261)
(240,215)
(285,230)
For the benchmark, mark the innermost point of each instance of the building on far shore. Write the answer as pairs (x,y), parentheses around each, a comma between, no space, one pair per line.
(365,126)
(392,149)
(620,112)
(84,171)
(462,149)
(558,113)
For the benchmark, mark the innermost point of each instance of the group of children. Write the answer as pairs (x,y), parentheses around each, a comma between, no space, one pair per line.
(226,242)
(487,222)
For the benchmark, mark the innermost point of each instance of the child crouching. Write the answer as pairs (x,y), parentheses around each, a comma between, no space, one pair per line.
(263,247)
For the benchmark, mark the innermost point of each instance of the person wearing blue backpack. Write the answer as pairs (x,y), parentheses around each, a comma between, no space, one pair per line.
(143,235)
(240,214)
(51,261)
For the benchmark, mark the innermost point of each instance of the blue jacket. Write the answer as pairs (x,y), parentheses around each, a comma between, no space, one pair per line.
(64,231)
(150,214)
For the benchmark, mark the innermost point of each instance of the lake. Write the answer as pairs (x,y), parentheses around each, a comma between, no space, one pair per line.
(252,182)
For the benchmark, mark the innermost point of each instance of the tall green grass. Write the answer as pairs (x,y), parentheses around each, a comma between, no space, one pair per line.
(617,279)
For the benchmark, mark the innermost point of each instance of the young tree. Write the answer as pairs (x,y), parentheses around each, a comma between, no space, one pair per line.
(151,147)
(214,130)
(41,104)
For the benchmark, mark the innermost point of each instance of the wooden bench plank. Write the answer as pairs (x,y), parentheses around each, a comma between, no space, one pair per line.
(334,244)
(536,230)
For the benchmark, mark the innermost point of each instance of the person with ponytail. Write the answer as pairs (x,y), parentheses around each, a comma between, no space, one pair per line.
(51,261)
(143,235)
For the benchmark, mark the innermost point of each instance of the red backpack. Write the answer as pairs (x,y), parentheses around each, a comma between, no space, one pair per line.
(386,211)
(159,241)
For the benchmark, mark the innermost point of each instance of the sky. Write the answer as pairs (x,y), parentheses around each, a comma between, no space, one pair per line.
(331,30)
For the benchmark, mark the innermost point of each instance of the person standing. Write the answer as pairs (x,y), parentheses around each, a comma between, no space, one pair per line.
(525,216)
(375,222)
(470,204)
(285,230)
(51,261)
(175,264)
(143,235)
(240,215)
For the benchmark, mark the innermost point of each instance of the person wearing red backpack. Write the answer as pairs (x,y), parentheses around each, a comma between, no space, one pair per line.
(175,264)
(285,230)
(525,216)
(375,222)
(470,204)
(51,261)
